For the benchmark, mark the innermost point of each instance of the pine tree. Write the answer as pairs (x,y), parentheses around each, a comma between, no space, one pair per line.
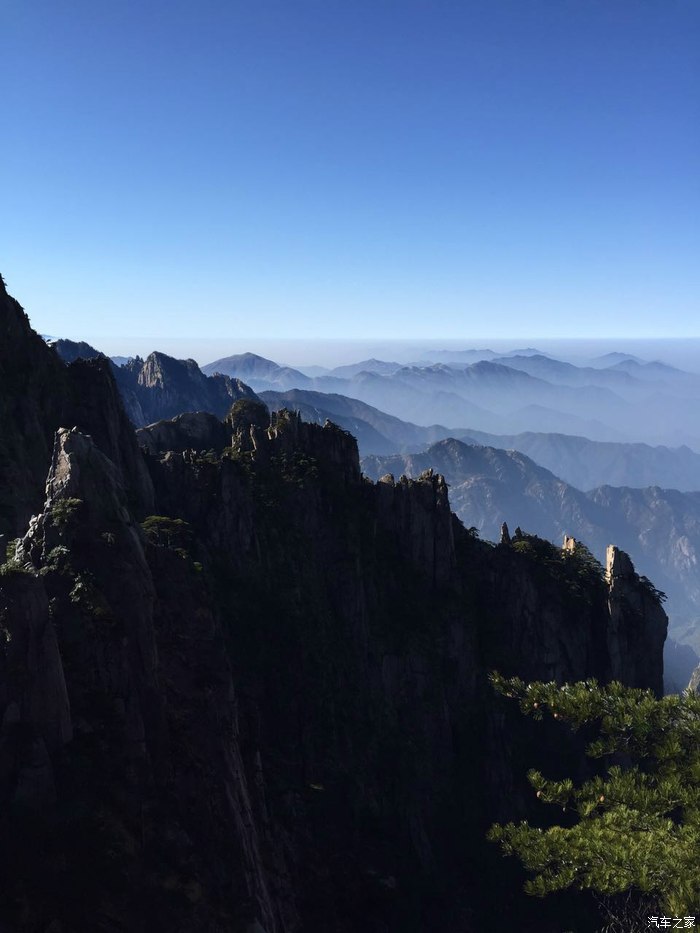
(637,828)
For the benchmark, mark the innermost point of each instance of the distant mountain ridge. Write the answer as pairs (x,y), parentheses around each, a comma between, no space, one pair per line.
(570,454)
(525,391)
(161,386)
(585,463)
(383,367)
(559,372)
(376,432)
(256,368)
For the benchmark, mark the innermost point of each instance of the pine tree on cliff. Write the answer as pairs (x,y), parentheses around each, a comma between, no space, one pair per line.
(635,842)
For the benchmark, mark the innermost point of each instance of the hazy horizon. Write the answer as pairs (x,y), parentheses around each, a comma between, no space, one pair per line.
(681,352)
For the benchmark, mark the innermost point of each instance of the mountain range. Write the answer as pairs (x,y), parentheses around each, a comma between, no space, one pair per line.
(582,462)
(626,400)
(630,495)
(572,452)
(244,688)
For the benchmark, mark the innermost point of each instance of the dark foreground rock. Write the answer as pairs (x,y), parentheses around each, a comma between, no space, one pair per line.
(258,701)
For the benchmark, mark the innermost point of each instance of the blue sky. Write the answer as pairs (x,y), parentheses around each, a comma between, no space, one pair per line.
(352,168)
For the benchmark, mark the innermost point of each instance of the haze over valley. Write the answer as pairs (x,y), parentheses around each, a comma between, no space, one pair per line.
(567,470)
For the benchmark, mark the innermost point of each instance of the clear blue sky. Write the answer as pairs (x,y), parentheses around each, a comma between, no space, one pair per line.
(352,168)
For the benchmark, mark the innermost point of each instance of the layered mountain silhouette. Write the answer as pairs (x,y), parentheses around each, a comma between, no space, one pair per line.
(376,431)
(244,688)
(626,400)
(585,463)
(495,398)
(582,462)
(656,527)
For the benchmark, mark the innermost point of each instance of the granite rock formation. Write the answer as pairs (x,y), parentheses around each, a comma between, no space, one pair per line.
(40,394)
(695,681)
(161,386)
(197,430)
(165,387)
(660,528)
(258,700)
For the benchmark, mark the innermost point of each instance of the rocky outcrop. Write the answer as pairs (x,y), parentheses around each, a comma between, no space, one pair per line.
(289,436)
(72,350)
(197,430)
(32,380)
(85,539)
(163,387)
(147,705)
(419,512)
(694,684)
(659,528)
(40,394)
(637,626)
(96,409)
(265,704)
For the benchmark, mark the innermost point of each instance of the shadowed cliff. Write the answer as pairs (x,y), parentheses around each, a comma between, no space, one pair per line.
(258,700)
(39,394)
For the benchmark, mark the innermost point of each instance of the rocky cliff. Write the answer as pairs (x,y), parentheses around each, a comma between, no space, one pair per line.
(164,387)
(660,528)
(39,394)
(259,700)
(161,386)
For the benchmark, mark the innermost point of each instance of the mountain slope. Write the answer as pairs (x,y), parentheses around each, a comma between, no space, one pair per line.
(258,371)
(161,386)
(585,463)
(391,433)
(489,486)
(165,387)
(660,528)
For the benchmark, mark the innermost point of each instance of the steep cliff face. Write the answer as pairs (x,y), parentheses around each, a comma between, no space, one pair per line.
(273,694)
(694,683)
(636,631)
(30,411)
(133,770)
(40,394)
(162,387)
(660,528)
(264,705)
